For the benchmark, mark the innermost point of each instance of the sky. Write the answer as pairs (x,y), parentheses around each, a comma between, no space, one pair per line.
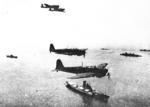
(85,24)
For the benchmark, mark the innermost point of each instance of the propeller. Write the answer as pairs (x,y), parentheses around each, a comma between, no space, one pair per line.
(108,74)
(102,66)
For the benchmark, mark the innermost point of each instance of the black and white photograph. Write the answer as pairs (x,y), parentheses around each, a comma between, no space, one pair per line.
(74,53)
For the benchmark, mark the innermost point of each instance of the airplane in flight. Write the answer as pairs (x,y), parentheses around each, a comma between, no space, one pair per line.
(52,7)
(84,72)
(77,52)
(11,56)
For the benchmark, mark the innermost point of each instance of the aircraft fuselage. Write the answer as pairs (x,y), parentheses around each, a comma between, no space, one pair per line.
(78,70)
(53,7)
(70,51)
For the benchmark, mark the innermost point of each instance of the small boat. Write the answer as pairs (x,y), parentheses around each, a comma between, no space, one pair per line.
(130,54)
(104,49)
(87,92)
(146,50)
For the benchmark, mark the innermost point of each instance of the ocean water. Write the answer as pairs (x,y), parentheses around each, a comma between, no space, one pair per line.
(30,82)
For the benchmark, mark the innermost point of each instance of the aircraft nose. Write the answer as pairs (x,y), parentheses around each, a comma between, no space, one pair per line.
(107,66)
(106,70)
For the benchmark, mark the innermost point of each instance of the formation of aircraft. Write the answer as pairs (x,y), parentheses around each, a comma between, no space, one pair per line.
(78,52)
(83,72)
(52,7)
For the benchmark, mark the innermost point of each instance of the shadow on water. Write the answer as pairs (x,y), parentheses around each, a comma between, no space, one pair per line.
(92,102)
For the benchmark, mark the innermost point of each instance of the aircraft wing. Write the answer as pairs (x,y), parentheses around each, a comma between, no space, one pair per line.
(83,75)
(102,66)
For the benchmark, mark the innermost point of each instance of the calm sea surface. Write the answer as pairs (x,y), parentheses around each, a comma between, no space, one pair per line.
(29,81)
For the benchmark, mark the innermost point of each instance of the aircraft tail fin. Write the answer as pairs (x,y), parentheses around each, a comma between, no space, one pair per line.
(51,48)
(59,64)
(42,5)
